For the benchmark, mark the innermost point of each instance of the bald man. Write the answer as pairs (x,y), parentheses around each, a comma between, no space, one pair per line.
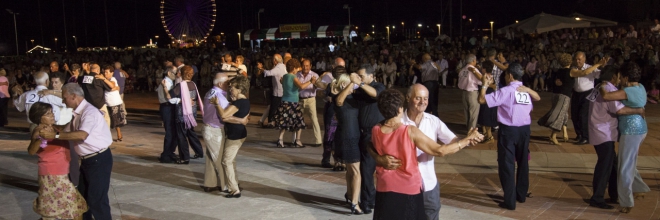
(95,89)
(584,84)
(432,127)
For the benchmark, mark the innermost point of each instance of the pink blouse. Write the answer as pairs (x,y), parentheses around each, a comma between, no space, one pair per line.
(54,159)
(406,179)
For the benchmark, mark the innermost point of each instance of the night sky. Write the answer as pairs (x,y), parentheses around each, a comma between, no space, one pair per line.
(133,22)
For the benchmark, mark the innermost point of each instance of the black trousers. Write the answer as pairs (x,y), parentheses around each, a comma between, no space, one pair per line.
(513,145)
(186,136)
(433,88)
(580,113)
(4,108)
(605,172)
(327,120)
(95,183)
(274,104)
(167,113)
(367,169)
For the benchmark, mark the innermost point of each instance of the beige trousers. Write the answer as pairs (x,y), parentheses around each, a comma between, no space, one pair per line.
(309,110)
(106,115)
(229,162)
(214,173)
(471,105)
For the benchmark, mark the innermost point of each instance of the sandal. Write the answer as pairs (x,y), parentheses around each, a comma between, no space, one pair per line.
(338,167)
(296,145)
(279,144)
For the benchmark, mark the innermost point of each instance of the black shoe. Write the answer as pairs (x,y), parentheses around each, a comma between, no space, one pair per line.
(601,205)
(583,141)
(183,162)
(578,138)
(612,201)
(161,160)
(209,189)
(326,165)
(366,209)
(233,195)
(354,211)
(504,206)
(197,156)
(315,145)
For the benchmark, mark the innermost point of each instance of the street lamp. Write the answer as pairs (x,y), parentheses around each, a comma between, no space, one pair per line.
(75,42)
(55,43)
(516,21)
(388,34)
(15,29)
(32,42)
(261,10)
(349,14)
(156,39)
(239,40)
(438,29)
(491,30)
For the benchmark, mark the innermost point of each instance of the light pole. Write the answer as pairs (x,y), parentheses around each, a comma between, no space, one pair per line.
(75,42)
(388,34)
(15,29)
(403,29)
(491,30)
(418,31)
(239,40)
(55,44)
(32,42)
(438,29)
(156,40)
(261,10)
(349,14)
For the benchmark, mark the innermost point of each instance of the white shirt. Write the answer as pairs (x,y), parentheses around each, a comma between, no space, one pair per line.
(632,34)
(27,99)
(162,97)
(320,65)
(277,72)
(586,83)
(656,28)
(112,98)
(435,129)
(443,64)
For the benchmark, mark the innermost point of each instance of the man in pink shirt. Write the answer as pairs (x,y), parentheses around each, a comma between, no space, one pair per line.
(91,139)
(469,80)
(515,104)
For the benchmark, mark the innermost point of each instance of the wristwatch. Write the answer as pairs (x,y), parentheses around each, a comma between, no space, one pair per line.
(57,135)
(361,84)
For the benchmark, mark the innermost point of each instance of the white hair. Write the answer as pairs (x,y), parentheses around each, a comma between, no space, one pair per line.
(73,88)
(220,78)
(41,78)
(470,58)
(279,59)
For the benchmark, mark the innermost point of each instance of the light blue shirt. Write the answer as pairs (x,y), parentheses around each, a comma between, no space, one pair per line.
(633,124)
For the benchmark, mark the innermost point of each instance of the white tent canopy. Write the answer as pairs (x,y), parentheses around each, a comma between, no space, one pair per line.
(544,23)
(595,22)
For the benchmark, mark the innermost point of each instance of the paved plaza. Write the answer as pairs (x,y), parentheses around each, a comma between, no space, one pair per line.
(290,184)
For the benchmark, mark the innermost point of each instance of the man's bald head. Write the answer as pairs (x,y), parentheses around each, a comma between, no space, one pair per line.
(418,98)
(287,57)
(278,58)
(96,68)
(340,62)
(54,66)
(426,57)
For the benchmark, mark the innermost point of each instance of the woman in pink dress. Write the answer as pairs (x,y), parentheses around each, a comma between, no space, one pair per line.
(58,198)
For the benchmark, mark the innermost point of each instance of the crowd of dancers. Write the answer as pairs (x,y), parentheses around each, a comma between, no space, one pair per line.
(368,129)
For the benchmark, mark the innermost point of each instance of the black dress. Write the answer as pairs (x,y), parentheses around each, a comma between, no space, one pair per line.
(347,136)
(487,116)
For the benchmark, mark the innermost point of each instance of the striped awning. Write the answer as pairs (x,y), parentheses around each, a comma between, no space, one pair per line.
(275,34)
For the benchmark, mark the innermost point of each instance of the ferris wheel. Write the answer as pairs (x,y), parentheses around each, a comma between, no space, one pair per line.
(186,20)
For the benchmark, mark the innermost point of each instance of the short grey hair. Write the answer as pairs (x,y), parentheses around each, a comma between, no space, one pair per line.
(220,77)
(41,78)
(279,59)
(470,58)
(73,88)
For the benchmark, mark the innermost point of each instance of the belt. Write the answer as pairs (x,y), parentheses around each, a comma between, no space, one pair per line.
(93,154)
(306,98)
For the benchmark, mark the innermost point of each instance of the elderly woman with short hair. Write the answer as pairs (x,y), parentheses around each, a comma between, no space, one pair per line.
(186,112)
(633,130)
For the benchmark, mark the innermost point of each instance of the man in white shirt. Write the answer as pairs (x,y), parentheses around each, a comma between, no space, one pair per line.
(655,29)
(443,68)
(579,103)
(433,128)
(25,101)
(632,33)
(167,114)
(277,72)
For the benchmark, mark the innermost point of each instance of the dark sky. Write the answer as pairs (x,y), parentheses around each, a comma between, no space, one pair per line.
(133,22)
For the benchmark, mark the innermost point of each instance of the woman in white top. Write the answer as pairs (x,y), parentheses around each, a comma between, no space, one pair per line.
(113,101)
(320,65)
